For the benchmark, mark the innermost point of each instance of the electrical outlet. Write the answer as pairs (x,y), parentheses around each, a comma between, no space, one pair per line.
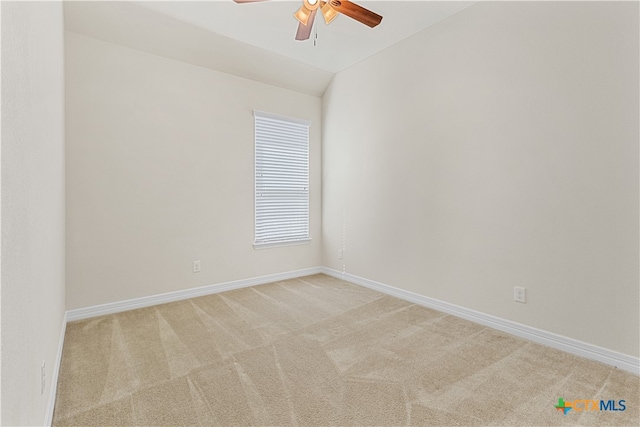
(196,266)
(519,294)
(43,379)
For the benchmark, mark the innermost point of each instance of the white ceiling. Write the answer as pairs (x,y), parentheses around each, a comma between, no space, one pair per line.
(270,25)
(254,40)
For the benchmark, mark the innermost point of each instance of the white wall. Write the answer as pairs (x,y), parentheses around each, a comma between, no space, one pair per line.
(496,148)
(32,205)
(160,173)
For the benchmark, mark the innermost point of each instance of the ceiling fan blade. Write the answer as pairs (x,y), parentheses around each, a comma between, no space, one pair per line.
(304,31)
(356,12)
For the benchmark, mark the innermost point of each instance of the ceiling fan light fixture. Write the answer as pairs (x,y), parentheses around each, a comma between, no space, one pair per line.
(328,13)
(302,15)
(330,10)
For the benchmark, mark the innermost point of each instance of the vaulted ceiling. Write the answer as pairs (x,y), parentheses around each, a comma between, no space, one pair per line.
(254,40)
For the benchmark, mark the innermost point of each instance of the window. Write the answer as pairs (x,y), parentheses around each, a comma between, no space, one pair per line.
(281,180)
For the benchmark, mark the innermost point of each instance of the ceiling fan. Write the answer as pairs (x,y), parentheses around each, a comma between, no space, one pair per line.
(330,9)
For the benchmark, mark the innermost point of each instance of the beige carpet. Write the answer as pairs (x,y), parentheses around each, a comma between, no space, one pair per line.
(320,351)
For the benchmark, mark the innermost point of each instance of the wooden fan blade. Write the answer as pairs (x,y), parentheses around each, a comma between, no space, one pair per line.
(356,12)
(304,31)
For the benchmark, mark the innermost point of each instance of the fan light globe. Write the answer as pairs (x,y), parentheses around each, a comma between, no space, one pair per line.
(328,13)
(302,15)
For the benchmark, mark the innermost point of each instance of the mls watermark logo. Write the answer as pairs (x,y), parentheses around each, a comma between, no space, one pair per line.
(583,405)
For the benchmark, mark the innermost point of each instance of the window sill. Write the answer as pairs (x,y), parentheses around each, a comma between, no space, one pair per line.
(279,244)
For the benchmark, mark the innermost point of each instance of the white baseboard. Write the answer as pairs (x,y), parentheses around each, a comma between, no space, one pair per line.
(132,304)
(570,345)
(48,417)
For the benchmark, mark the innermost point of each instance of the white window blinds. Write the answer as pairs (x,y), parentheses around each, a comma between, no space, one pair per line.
(281,180)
